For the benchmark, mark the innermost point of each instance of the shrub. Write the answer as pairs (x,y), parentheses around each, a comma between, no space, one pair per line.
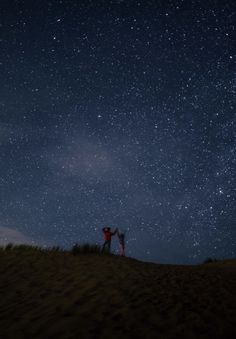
(56,249)
(9,247)
(23,247)
(85,248)
(209,260)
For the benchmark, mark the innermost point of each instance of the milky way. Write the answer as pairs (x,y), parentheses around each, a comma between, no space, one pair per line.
(119,113)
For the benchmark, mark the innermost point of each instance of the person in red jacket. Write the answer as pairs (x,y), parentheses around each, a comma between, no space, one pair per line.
(107,237)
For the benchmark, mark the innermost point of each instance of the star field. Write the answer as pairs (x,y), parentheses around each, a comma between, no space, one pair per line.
(120,113)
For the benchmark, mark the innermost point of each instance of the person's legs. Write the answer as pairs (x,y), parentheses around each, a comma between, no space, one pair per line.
(106,245)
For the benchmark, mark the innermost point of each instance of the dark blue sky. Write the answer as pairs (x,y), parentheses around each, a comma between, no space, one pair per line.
(119,113)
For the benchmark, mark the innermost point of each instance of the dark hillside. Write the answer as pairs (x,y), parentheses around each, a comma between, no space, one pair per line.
(49,294)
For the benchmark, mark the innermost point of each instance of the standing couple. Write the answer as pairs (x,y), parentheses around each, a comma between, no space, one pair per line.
(107,237)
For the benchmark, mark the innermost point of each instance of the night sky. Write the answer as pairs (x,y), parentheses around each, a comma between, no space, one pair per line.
(121,114)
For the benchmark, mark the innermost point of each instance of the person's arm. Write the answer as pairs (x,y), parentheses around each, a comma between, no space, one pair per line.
(113,233)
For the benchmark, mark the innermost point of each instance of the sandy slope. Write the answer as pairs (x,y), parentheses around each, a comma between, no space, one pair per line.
(56,295)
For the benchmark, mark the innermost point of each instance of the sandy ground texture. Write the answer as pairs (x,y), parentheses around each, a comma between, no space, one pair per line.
(57,295)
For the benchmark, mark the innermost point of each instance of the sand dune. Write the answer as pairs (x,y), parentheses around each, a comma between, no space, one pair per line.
(57,295)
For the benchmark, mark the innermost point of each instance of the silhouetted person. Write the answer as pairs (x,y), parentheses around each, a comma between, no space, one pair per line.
(107,237)
(121,237)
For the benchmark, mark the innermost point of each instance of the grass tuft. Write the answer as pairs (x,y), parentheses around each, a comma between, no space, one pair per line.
(85,249)
(210,260)
(75,250)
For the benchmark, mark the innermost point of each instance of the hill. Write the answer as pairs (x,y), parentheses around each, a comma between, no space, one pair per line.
(50,294)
